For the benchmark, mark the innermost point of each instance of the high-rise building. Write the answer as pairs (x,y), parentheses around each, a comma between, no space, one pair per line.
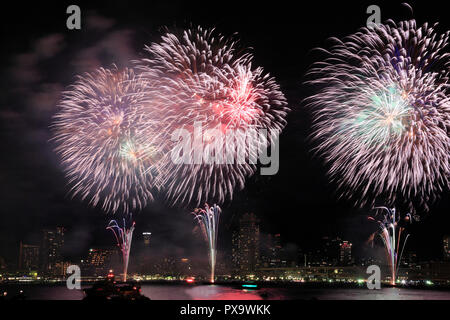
(345,253)
(51,246)
(28,257)
(99,261)
(272,255)
(245,254)
(60,268)
(146,236)
(328,253)
(409,259)
(332,250)
(235,250)
(167,266)
(446,247)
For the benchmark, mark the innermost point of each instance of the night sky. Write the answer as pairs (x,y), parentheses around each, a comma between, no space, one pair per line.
(40,57)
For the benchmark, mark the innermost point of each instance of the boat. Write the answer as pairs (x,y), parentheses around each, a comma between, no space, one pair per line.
(110,289)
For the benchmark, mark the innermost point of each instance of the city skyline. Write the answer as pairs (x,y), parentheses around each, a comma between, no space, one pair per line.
(251,252)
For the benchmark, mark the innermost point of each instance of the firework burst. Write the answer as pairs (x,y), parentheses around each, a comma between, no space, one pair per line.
(382,114)
(106,134)
(204,78)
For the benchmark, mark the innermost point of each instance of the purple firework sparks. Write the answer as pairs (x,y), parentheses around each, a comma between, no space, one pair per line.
(123,237)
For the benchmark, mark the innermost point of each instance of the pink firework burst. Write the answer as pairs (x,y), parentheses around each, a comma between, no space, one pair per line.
(204,78)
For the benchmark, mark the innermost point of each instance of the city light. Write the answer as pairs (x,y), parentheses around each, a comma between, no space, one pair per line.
(190,280)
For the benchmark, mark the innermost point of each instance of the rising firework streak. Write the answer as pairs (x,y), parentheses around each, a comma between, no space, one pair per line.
(391,233)
(208,220)
(123,237)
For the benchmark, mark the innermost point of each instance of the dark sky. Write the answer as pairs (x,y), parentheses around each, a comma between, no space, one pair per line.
(40,57)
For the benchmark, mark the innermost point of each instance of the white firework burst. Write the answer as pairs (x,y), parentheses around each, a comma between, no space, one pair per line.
(382,113)
(106,133)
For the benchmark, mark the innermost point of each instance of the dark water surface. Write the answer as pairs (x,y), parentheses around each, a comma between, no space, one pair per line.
(223,292)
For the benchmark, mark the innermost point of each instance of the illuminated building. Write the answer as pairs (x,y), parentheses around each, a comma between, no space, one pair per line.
(61,268)
(99,261)
(332,250)
(28,257)
(328,253)
(245,251)
(146,236)
(345,253)
(51,246)
(446,247)
(167,266)
(272,255)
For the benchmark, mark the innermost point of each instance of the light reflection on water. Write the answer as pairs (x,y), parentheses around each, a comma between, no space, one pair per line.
(201,292)
(218,292)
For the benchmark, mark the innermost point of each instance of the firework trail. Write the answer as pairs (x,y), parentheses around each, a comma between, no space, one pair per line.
(390,233)
(382,113)
(123,237)
(205,79)
(208,220)
(107,135)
